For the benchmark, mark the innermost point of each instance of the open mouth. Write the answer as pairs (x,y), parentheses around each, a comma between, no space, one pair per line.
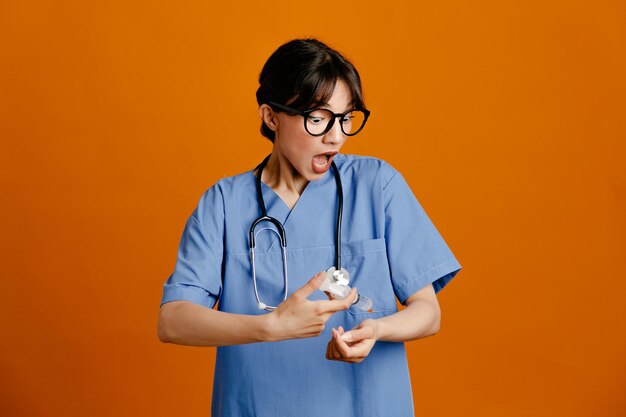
(322,161)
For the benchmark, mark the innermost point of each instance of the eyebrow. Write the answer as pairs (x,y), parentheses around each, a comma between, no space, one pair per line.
(351,106)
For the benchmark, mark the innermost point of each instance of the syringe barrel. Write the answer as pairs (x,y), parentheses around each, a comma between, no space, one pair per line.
(362,303)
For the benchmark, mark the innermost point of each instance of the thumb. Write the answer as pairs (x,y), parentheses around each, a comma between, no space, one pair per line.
(355,335)
(313,284)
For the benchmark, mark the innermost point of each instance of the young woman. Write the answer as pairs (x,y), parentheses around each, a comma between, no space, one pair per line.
(284,347)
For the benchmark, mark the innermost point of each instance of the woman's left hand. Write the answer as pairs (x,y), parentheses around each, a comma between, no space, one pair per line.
(355,345)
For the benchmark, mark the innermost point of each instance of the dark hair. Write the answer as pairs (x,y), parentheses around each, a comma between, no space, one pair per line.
(302,73)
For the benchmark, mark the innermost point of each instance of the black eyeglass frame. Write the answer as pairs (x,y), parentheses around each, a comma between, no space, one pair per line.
(305,114)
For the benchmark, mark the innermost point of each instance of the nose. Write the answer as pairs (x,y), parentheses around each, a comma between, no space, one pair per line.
(334,135)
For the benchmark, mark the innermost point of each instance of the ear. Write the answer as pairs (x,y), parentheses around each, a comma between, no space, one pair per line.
(268,116)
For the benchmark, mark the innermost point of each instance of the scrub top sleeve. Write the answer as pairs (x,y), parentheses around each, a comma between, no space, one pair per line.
(417,253)
(197,275)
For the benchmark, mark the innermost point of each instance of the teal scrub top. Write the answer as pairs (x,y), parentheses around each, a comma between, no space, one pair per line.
(389,246)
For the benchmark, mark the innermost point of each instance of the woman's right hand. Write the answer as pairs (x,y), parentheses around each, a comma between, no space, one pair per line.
(297,317)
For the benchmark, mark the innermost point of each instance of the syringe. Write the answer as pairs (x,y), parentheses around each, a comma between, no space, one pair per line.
(336,283)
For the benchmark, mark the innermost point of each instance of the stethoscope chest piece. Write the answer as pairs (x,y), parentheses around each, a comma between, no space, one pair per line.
(339,277)
(336,283)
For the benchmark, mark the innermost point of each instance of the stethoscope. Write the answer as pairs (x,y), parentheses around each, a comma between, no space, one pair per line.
(338,274)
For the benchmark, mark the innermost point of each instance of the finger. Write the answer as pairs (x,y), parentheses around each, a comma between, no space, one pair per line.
(331,351)
(332,306)
(361,350)
(332,355)
(339,354)
(342,348)
(356,335)
(341,332)
(311,286)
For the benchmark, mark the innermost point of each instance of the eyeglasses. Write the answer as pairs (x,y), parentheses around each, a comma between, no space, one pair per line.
(318,122)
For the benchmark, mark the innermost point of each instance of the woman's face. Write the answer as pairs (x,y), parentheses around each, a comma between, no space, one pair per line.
(310,156)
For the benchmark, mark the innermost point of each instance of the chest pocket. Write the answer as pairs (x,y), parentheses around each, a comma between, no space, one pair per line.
(367,263)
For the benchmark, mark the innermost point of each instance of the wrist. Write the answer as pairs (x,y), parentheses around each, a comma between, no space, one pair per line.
(268,328)
(379,329)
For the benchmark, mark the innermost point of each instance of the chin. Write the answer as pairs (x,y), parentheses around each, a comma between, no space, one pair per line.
(314,176)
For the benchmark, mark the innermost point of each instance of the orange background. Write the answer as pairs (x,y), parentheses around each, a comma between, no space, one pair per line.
(506,118)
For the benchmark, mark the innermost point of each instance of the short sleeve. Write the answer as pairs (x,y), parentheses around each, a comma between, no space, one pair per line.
(417,253)
(197,275)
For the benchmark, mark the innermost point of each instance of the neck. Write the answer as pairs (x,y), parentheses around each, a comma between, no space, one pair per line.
(279,174)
